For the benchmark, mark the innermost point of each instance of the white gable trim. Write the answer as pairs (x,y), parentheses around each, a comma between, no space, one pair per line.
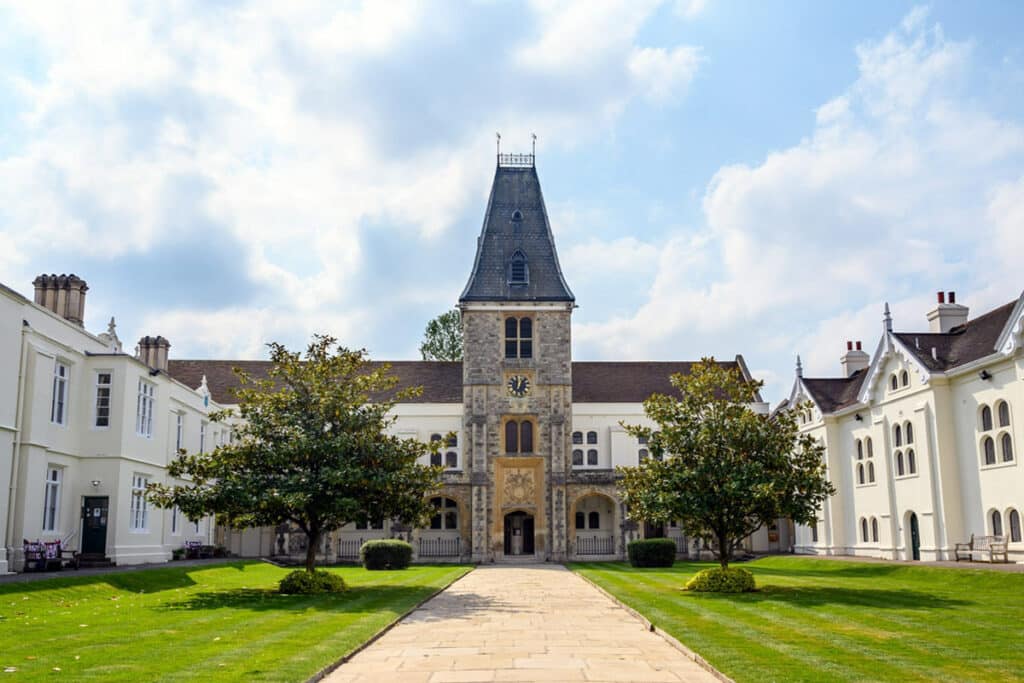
(1012,336)
(888,346)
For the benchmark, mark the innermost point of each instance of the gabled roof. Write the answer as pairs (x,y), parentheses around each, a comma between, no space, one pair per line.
(834,393)
(963,344)
(516,220)
(592,382)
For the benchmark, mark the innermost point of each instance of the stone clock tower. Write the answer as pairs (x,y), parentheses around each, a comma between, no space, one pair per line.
(517,375)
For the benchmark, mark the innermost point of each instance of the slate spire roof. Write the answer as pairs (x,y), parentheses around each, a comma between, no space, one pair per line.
(516,228)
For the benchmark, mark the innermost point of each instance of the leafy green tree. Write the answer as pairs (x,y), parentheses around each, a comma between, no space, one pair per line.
(311,448)
(442,340)
(720,468)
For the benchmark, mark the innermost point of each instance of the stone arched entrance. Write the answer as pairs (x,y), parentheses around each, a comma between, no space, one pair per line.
(519,534)
(594,525)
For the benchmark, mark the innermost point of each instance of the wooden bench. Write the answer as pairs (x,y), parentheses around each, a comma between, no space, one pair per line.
(194,550)
(995,546)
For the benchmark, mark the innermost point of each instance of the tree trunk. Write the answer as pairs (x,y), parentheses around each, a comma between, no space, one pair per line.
(312,544)
(724,549)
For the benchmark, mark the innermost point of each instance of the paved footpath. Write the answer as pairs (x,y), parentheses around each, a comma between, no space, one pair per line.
(520,623)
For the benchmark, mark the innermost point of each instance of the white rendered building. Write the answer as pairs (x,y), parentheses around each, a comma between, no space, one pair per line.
(83,428)
(922,438)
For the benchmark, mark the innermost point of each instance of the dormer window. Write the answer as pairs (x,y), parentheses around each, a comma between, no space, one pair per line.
(518,271)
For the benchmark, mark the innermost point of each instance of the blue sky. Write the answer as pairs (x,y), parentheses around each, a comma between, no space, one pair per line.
(722,177)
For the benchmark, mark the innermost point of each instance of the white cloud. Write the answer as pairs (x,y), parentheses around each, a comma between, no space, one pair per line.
(902,180)
(662,73)
(690,9)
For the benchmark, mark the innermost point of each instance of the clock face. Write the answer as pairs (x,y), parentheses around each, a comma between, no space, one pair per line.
(518,385)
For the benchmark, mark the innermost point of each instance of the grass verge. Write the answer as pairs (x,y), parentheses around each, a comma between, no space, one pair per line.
(217,623)
(815,619)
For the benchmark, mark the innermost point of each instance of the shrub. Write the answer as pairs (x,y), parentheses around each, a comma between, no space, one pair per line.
(301,582)
(387,554)
(718,580)
(652,552)
(178,554)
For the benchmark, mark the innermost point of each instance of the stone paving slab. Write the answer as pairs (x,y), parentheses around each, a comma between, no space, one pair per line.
(526,623)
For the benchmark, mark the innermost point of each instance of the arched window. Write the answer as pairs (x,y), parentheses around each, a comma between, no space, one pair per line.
(1004,414)
(860,474)
(511,436)
(451,460)
(577,438)
(519,436)
(595,520)
(899,463)
(874,530)
(997,523)
(1007,448)
(643,454)
(989,448)
(591,437)
(814,531)
(908,431)
(526,437)
(905,378)
(581,520)
(893,383)
(897,435)
(864,529)
(986,418)
(871,472)
(911,462)
(577,457)
(1014,519)
(446,514)
(871,450)
(860,450)
(592,457)
(436,458)
(453,441)
(518,337)
(518,270)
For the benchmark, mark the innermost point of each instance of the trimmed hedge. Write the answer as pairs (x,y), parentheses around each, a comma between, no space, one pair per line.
(301,582)
(652,552)
(718,580)
(386,554)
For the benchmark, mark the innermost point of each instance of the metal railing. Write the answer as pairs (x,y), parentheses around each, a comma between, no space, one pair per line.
(348,549)
(439,547)
(521,160)
(681,548)
(595,545)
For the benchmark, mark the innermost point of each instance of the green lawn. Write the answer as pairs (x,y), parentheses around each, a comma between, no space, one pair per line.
(219,622)
(816,619)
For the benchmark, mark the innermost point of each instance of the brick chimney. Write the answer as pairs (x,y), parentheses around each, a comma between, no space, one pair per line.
(947,313)
(153,352)
(62,294)
(854,359)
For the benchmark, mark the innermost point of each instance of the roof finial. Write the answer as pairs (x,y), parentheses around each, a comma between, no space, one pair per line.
(534,151)
(498,136)
(887,318)
(799,367)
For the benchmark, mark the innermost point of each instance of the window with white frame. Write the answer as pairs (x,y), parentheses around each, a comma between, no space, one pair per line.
(102,409)
(202,437)
(139,512)
(51,498)
(195,525)
(144,409)
(59,401)
(175,516)
(446,514)
(451,455)
(179,432)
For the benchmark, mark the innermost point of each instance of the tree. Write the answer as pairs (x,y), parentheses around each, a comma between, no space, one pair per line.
(718,467)
(311,449)
(442,340)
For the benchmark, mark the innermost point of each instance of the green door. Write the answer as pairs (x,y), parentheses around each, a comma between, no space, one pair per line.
(915,537)
(94,525)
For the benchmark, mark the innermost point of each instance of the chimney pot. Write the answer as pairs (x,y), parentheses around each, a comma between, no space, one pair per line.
(63,295)
(952,297)
(941,296)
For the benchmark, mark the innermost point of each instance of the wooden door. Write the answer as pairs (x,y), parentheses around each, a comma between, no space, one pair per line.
(915,537)
(94,525)
(528,535)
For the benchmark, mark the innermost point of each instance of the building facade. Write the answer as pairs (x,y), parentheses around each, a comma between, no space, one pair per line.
(84,427)
(921,438)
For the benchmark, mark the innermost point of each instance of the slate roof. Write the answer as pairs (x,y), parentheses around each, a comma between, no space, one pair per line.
(592,382)
(516,189)
(968,342)
(835,393)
